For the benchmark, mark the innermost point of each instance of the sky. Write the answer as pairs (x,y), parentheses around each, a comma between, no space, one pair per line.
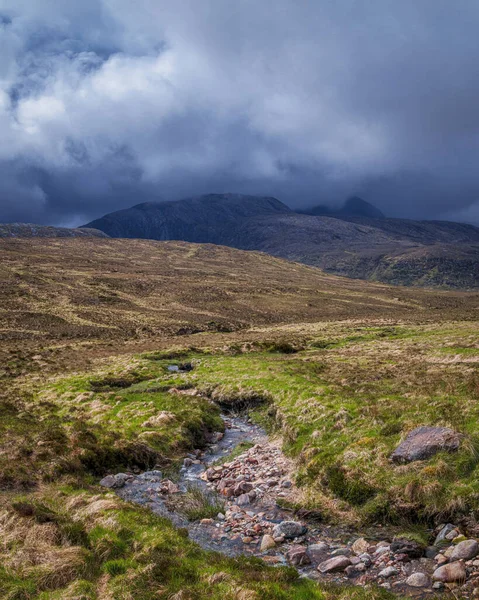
(108,103)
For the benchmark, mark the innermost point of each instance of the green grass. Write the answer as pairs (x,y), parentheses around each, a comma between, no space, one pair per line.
(127,552)
(343,409)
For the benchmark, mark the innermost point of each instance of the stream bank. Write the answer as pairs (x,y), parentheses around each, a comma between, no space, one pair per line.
(251,522)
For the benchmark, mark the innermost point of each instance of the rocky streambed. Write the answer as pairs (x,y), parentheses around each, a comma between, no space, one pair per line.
(255,484)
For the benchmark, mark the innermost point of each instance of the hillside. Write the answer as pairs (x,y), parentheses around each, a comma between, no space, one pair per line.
(354,246)
(28,230)
(101,288)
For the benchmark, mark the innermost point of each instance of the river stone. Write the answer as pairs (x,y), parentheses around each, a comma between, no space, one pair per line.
(465,550)
(318,552)
(334,565)
(267,543)
(442,535)
(418,580)
(298,556)
(450,573)
(409,547)
(388,572)
(424,442)
(289,529)
(360,546)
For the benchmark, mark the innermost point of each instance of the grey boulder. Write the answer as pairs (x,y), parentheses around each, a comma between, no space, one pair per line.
(424,442)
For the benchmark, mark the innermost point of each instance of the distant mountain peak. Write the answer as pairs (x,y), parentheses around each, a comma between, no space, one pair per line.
(352,207)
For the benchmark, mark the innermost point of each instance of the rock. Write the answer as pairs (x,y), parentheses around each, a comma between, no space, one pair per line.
(267,543)
(334,565)
(418,580)
(451,572)
(408,547)
(207,522)
(360,546)
(424,442)
(388,572)
(366,559)
(151,476)
(443,533)
(243,487)
(465,550)
(318,552)
(114,482)
(220,516)
(354,571)
(341,552)
(431,552)
(243,500)
(298,556)
(289,529)
(109,482)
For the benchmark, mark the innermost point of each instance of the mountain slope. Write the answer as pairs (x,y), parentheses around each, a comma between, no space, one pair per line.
(28,230)
(353,207)
(360,247)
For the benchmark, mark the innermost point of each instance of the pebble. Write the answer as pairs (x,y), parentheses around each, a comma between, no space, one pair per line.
(388,572)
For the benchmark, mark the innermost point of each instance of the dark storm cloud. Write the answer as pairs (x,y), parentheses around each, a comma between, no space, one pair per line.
(107,103)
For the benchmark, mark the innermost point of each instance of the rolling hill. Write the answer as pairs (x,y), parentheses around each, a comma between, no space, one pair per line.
(399,251)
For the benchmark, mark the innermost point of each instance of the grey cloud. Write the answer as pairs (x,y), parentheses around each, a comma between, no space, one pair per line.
(106,103)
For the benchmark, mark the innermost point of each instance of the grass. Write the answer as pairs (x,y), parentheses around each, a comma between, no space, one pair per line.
(342,409)
(123,552)
(197,504)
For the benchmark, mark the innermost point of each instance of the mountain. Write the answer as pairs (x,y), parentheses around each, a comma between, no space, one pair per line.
(398,251)
(28,230)
(211,218)
(353,207)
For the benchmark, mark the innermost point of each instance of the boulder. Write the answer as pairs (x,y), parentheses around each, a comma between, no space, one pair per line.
(450,573)
(424,442)
(465,550)
(334,565)
(418,580)
(289,529)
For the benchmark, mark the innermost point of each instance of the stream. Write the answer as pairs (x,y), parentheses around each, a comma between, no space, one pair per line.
(251,485)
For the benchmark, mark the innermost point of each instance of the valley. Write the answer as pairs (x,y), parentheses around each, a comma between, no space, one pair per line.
(137,357)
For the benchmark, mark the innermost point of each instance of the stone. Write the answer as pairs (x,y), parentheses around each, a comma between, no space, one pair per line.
(443,533)
(298,556)
(354,571)
(465,550)
(418,580)
(408,547)
(360,546)
(267,543)
(388,572)
(424,442)
(431,552)
(318,552)
(341,552)
(243,500)
(289,529)
(450,573)
(242,488)
(334,565)
(115,482)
